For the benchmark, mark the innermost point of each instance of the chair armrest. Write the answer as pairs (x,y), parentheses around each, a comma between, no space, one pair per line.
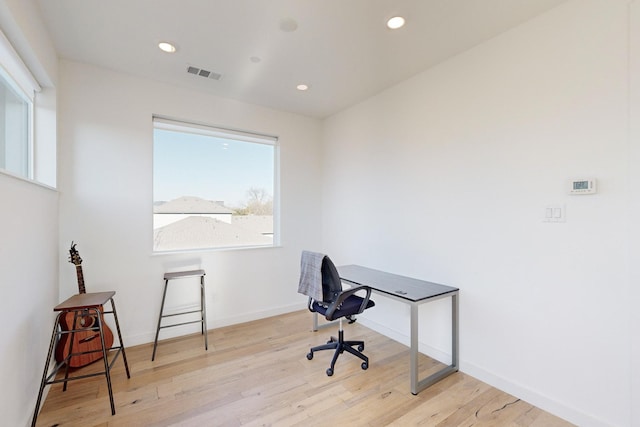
(346,294)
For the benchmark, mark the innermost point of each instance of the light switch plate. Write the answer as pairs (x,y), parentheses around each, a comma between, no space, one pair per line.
(554,213)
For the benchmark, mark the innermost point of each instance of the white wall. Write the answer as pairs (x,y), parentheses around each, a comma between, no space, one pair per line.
(28,231)
(105,179)
(21,23)
(468,155)
(634,211)
(29,266)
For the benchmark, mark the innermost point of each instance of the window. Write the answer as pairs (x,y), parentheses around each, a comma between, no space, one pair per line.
(212,187)
(17,91)
(15,135)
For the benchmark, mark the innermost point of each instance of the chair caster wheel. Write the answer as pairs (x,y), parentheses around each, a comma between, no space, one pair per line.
(365,365)
(361,347)
(309,355)
(329,372)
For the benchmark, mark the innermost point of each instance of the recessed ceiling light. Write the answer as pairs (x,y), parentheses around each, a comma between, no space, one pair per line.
(395,22)
(167,47)
(302,87)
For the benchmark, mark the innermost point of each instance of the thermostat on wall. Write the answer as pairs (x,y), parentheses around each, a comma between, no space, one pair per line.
(582,186)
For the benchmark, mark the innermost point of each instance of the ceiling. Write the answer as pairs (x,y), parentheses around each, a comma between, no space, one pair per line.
(340,48)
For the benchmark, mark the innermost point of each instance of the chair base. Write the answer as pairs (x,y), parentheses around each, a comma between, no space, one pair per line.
(340,346)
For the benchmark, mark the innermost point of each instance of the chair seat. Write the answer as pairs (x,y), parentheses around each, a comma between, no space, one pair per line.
(349,306)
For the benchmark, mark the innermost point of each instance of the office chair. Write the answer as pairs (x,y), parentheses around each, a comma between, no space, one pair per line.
(337,304)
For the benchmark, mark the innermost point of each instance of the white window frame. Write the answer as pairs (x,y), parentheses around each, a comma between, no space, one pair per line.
(19,77)
(165,123)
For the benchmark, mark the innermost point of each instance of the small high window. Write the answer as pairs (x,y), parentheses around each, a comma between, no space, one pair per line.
(15,128)
(213,187)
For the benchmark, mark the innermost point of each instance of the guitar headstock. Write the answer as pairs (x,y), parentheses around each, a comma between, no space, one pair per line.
(74,256)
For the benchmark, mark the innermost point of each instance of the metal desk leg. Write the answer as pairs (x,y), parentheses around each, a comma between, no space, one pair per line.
(455,333)
(419,385)
(314,322)
(414,349)
(315,325)
(203,314)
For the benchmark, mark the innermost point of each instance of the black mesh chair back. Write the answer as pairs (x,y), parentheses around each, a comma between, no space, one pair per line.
(331,283)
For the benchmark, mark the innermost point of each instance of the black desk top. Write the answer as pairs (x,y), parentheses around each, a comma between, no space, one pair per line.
(393,284)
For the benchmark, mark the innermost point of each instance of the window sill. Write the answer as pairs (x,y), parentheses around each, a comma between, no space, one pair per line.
(28,180)
(223,249)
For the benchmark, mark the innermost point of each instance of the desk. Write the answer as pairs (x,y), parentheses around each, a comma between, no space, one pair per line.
(415,293)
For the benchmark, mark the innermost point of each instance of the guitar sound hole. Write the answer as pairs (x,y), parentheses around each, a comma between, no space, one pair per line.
(87,321)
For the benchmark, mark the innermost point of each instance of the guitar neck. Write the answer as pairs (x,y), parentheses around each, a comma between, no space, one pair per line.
(81,288)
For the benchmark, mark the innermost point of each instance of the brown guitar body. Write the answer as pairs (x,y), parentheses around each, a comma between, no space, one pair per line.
(83,340)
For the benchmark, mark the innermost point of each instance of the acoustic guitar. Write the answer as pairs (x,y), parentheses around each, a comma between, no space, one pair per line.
(82,340)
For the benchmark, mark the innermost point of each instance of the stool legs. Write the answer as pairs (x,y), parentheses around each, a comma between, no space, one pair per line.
(202,310)
(47,377)
(43,383)
(124,355)
(71,341)
(155,342)
(107,369)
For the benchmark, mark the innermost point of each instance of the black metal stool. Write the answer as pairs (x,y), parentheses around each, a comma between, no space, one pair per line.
(83,306)
(202,311)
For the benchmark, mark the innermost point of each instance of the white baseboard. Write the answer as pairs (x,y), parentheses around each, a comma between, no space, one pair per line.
(435,353)
(149,337)
(539,400)
(256,315)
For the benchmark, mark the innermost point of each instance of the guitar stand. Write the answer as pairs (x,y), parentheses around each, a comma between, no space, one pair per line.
(90,303)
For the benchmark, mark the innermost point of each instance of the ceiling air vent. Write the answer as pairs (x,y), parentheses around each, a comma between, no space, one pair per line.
(203,73)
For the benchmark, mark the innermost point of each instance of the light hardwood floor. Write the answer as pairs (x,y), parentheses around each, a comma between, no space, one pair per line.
(257,374)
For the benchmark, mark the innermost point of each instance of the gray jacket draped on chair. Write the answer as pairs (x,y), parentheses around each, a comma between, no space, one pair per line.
(311,275)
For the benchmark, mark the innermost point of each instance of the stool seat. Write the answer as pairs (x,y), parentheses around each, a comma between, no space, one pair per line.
(181,274)
(85,301)
(203,309)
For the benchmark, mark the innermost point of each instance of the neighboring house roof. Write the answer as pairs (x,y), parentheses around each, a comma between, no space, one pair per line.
(262,224)
(191,205)
(204,232)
